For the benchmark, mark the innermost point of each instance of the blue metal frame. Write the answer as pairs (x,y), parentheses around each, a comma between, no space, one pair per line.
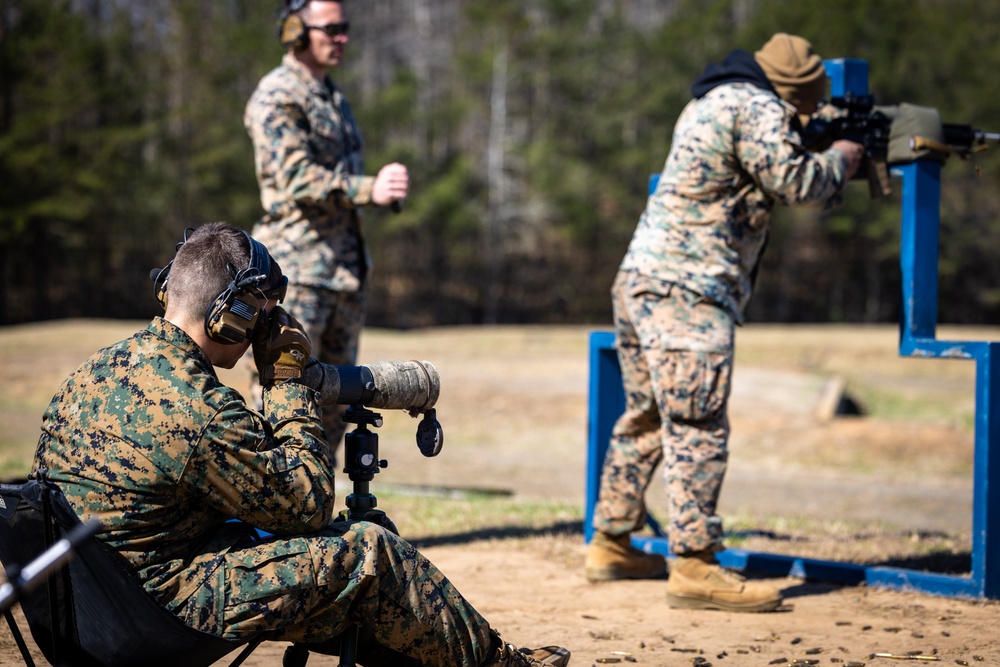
(921,196)
(919,243)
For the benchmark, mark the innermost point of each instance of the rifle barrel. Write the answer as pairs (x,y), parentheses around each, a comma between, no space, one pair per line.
(965,135)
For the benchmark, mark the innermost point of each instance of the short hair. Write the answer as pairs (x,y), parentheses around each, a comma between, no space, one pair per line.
(205,265)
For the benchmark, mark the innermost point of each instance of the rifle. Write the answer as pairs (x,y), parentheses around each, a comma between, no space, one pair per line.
(892,135)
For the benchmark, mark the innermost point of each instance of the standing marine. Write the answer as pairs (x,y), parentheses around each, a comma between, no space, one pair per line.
(681,289)
(313,187)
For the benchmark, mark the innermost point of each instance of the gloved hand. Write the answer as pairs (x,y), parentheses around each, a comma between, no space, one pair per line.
(281,348)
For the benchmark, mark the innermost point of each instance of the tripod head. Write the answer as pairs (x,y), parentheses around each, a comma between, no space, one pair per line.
(362,462)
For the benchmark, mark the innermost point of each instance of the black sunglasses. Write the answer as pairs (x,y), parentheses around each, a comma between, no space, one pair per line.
(332,29)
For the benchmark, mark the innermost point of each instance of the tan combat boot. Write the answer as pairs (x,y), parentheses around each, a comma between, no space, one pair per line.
(610,558)
(508,655)
(697,581)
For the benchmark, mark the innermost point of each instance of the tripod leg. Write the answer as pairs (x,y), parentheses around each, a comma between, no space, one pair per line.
(295,656)
(349,647)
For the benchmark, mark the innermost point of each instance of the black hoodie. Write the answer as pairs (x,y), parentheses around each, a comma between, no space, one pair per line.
(739,66)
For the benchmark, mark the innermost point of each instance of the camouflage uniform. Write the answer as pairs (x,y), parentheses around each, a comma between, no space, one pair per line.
(308,156)
(684,283)
(145,438)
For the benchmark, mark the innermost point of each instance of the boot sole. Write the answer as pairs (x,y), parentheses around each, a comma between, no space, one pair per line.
(688,602)
(611,574)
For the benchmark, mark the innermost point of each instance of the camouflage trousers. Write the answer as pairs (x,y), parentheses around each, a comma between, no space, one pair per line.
(333,321)
(311,588)
(676,355)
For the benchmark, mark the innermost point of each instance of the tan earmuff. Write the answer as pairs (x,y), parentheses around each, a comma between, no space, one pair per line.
(294,33)
(159,277)
(234,315)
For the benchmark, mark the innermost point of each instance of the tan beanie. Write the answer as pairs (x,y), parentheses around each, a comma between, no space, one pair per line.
(795,71)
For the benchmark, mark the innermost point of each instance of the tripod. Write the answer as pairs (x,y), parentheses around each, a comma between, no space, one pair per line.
(361,463)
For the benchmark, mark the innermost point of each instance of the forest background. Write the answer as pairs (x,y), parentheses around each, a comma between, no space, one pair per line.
(530,128)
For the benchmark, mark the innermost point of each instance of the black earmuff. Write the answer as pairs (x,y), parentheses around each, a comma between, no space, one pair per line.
(159,277)
(291,28)
(236,312)
(233,316)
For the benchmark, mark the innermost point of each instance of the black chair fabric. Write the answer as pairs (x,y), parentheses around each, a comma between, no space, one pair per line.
(103,615)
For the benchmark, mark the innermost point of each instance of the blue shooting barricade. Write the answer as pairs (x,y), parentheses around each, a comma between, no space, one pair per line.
(921,199)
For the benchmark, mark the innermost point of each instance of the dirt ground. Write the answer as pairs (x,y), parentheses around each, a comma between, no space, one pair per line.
(514,409)
(535,594)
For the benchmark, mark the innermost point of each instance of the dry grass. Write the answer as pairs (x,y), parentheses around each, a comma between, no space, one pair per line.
(514,409)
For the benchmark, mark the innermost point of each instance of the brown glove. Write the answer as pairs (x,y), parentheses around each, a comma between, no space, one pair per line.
(281,348)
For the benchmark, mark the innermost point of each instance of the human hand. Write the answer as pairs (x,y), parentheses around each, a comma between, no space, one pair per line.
(392,183)
(281,348)
(854,152)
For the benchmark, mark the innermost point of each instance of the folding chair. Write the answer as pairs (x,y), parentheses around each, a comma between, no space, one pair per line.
(93,612)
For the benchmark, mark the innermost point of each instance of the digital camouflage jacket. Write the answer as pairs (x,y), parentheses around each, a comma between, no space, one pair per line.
(308,157)
(145,438)
(735,153)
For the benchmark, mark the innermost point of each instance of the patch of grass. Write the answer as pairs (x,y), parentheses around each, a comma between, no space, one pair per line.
(860,542)
(887,385)
(16,453)
(19,431)
(467,516)
(902,404)
(14,469)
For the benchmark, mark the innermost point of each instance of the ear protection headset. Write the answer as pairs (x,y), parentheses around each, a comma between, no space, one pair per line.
(159,276)
(235,313)
(291,29)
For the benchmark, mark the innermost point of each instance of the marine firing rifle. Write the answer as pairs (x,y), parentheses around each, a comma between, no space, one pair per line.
(892,135)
